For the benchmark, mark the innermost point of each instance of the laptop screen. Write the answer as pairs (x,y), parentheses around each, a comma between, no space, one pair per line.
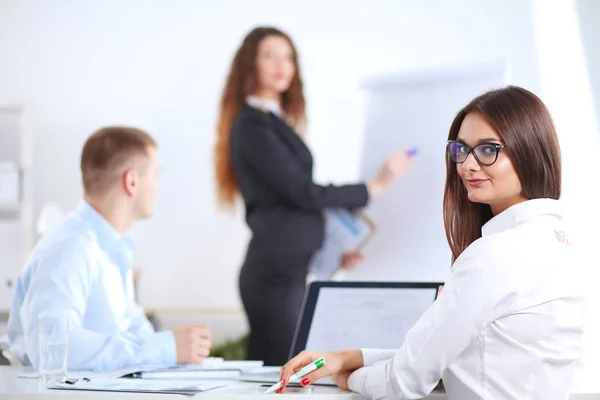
(354,317)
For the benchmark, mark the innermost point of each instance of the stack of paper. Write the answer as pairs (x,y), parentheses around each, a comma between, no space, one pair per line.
(210,369)
(215,370)
(139,386)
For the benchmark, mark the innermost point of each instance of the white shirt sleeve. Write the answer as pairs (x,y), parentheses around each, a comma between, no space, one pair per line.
(473,296)
(371,356)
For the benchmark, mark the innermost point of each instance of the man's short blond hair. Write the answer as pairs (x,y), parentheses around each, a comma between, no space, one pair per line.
(108,153)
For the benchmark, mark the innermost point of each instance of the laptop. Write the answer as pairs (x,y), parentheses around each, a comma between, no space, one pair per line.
(354,315)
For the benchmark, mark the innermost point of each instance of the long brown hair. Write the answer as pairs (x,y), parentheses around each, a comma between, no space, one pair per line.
(241,82)
(525,126)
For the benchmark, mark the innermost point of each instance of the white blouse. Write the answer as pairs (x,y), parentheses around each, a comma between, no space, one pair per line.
(508,324)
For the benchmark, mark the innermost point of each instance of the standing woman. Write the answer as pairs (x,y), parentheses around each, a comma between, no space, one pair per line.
(260,154)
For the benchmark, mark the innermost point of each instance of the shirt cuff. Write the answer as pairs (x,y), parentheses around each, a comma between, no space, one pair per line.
(356,381)
(376,382)
(159,349)
(371,356)
(365,193)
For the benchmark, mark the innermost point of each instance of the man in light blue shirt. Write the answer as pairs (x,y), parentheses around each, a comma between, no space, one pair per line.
(82,269)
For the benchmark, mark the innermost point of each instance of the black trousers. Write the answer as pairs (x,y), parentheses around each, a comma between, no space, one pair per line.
(272,288)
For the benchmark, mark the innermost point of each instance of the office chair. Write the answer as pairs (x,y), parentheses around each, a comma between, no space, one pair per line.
(12,360)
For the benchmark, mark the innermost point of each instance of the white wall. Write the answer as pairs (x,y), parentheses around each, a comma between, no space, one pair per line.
(160,65)
(589,23)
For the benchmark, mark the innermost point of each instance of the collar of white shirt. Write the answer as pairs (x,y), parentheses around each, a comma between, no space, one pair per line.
(265,104)
(522,212)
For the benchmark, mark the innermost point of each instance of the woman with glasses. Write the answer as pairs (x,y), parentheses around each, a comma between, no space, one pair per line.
(508,324)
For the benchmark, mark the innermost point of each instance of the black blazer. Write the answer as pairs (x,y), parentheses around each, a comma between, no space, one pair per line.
(273,167)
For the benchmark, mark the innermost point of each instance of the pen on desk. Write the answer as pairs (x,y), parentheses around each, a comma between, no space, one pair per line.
(304,371)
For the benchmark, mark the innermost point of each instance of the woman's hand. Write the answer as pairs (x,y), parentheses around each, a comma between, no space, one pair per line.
(341,379)
(338,365)
(395,167)
(351,259)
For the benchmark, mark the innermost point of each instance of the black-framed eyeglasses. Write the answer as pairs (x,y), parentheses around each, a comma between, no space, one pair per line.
(484,153)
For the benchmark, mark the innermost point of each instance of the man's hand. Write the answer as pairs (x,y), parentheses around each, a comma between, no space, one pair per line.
(193,343)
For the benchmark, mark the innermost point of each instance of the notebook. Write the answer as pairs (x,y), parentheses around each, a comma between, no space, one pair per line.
(222,370)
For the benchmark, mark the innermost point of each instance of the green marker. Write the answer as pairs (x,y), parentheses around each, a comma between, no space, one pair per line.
(313,366)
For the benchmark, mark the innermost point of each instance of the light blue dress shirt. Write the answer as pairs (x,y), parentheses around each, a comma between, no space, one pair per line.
(82,269)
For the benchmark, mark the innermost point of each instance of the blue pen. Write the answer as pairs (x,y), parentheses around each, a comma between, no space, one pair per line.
(413,152)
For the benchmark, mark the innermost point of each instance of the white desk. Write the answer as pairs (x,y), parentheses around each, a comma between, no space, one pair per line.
(13,387)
